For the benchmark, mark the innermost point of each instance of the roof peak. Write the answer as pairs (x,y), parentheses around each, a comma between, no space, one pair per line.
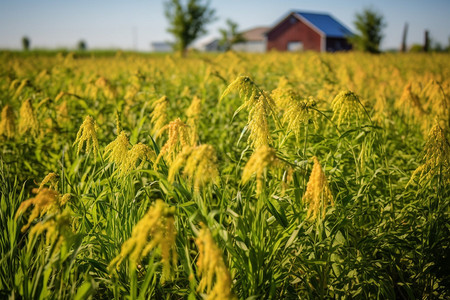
(325,22)
(311,12)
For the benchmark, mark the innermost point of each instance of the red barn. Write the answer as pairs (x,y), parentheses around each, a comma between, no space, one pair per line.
(308,31)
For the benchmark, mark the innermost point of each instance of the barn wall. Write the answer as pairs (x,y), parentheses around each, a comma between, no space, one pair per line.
(293,30)
(337,44)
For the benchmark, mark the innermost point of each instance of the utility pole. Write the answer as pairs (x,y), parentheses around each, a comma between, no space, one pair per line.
(426,45)
(405,33)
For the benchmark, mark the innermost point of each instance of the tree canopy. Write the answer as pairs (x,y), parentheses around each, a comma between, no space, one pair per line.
(369,25)
(26,43)
(187,22)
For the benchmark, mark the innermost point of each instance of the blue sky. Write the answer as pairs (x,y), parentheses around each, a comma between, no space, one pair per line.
(134,24)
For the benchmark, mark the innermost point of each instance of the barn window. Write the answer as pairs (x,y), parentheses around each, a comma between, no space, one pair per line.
(292,20)
(295,46)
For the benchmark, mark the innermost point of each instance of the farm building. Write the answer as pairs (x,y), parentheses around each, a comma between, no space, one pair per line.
(212,45)
(161,47)
(308,31)
(255,40)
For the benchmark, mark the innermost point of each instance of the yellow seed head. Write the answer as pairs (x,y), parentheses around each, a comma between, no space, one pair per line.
(193,114)
(46,200)
(178,139)
(258,125)
(283,97)
(62,112)
(107,88)
(318,193)
(117,150)
(244,85)
(284,94)
(436,97)
(131,92)
(159,114)
(178,163)
(51,178)
(259,104)
(58,229)
(194,110)
(22,85)
(200,166)
(59,96)
(410,99)
(87,134)
(300,113)
(155,230)
(136,157)
(435,156)
(262,159)
(8,122)
(186,92)
(346,108)
(215,277)
(28,122)
(64,199)
(13,84)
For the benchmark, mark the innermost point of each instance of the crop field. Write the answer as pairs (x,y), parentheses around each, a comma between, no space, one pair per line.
(224,176)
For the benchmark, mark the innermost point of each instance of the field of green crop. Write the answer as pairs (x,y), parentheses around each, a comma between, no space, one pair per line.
(224,176)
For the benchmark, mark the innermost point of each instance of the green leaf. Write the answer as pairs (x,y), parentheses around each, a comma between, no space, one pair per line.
(84,291)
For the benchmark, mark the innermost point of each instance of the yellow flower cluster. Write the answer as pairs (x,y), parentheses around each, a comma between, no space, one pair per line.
(51,178)
(284,94)
(437,100)
(211,267)
(87,134)
(27,119)
(8,122)
(178,138)
(193,114)
(436,156)
(258,125)
(127,160)
(159,114)
(155,230)
(62,115)
(117,150)
(46,200)
(57,228)
(299,113)
(346,108)
(200,166)
(245,86)
(262,159)
(23,84)
(137,156)
(410,99)
(259,104)
(318,193)
(107,88)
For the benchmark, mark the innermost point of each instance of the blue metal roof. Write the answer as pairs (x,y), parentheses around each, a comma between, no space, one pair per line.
(327,24)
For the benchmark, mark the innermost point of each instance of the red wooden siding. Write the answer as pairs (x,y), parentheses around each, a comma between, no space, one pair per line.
(293,30)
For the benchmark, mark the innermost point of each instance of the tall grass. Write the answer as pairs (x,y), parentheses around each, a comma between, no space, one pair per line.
(277,176)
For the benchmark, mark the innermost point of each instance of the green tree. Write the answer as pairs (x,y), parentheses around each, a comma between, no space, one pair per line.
(230,35)
(187,22)
(82,46)
(26,43)
(369,25)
